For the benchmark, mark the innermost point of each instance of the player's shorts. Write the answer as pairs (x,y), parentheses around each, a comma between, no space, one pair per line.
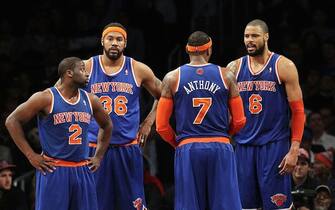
(205,177)
(119,180)
(67,188)
(260,183)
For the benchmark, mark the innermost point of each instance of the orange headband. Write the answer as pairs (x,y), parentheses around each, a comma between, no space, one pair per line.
(115,29)
(200,48)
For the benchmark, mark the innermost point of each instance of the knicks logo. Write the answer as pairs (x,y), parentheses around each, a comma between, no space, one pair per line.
(200,71)
(138,205)
(278,199)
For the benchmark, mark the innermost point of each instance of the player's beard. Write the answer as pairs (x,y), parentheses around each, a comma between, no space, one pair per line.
(258,51)
(113,56)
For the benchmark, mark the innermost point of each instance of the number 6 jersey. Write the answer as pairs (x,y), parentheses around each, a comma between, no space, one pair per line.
(265,103)
(119,95)
(201,98)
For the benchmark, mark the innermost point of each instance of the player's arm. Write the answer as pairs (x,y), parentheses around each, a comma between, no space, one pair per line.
(288,74)
(233,66)
(236,109)
(105,132)
(39,102)
(152,84)
(165,109)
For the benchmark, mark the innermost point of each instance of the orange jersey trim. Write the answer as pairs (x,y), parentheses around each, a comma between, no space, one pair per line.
(204,140)
(114,29)
(133,142)
(64,163)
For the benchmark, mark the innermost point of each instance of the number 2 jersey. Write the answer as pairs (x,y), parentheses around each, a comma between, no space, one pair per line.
(63,132)
(201,102)
(119,95)
(265,103)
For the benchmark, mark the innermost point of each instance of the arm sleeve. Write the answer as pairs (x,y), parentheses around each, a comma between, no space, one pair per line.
(164,112)
(238,118)
(298,120)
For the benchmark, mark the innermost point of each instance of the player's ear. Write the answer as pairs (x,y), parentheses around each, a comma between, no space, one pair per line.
(102,42)
(69,73)
(266,36)
(125,43)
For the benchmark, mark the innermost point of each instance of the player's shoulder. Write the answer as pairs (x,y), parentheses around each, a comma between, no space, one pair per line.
(173,74)
(284,62)
(139,66)
(234,65)
(42,96)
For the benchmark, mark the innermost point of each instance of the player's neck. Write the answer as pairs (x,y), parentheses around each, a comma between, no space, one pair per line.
(69,91)
(109,62)
(197,60)
(261,59)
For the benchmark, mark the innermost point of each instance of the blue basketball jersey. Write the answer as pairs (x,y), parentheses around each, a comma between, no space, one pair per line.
(63,132)
(119,94)
(265,103)
(201,100)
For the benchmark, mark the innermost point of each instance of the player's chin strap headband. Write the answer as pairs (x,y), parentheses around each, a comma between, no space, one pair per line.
(114,29)
(200,48)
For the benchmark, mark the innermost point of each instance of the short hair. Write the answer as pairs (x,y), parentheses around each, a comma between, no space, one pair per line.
(198,38)
(115,24)
(67,63)
(260,23)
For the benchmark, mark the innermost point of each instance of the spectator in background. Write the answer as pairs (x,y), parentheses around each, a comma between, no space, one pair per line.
(302,184)
(310,89)
(11,198)
(327,114)
(322,168)
(323,198)
(321,137)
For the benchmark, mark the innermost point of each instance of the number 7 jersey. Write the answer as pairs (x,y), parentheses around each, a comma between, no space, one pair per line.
(200,102)
(119,95)
(265,103)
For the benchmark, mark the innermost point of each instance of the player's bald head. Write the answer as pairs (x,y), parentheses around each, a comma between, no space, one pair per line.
(260,23)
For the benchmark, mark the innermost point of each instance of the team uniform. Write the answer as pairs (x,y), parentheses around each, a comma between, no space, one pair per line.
(119,179)
(205,168)
(63,136)
(264,141)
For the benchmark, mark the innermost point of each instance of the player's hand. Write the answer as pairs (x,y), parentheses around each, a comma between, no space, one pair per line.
(288,163)
(42,164)
(93,163)
(143,133)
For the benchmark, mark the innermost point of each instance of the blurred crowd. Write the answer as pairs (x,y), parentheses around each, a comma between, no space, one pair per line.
(32,45)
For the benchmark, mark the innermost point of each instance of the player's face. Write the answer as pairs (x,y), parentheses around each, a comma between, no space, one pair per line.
(80,76)
(6,176)
(254,40)
(113,45)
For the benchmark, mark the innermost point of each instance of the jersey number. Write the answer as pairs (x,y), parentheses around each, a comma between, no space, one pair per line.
(255,105)
(205,104)
(120,104)
(74,137)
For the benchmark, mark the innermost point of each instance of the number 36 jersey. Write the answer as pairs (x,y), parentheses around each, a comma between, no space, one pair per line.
(201,102)
(119,95)
(265,103)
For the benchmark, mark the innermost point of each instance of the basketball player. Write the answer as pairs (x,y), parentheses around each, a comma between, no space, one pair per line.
(265,155)
(117,80)
(64,178)
(201,95)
